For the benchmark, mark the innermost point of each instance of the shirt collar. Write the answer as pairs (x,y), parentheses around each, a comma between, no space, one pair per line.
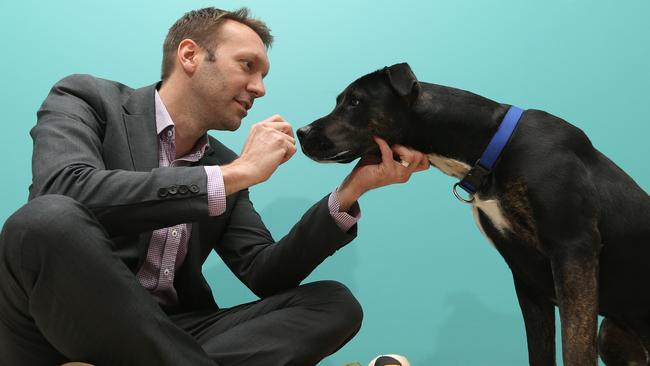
(164,120)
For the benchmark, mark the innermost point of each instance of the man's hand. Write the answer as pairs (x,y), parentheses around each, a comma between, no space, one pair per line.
(370,174)
(269,144)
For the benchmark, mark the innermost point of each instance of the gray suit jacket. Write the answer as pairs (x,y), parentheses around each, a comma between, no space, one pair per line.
(95,141)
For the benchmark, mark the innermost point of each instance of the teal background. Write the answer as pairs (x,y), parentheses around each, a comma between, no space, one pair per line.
(432,287)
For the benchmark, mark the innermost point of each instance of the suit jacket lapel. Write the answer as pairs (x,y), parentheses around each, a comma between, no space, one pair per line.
(140,125)
(210,157)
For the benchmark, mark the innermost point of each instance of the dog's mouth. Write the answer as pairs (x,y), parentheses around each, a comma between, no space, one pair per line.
(344,157)
(324,149)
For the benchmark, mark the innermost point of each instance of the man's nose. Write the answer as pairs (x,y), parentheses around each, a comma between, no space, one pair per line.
(256,87)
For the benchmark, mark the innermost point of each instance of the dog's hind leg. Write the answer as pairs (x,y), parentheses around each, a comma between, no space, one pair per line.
(539,318)
(617,347)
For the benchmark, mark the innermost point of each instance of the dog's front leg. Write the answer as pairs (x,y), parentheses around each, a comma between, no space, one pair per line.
(576,285)
(539,318)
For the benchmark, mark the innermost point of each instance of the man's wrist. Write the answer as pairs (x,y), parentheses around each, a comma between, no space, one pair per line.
(343,219)
(348,194)
(236,177)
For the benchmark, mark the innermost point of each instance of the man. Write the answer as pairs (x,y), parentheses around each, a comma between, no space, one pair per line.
(130,195)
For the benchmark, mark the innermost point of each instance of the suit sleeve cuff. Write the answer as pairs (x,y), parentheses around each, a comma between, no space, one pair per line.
(216,190)
(344,220)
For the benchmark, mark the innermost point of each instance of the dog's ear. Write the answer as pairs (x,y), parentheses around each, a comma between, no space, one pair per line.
(402,79)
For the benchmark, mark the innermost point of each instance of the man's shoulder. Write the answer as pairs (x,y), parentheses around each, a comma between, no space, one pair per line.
(89,84)
(105,97)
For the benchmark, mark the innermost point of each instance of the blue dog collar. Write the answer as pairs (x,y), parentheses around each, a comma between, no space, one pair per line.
(475,177)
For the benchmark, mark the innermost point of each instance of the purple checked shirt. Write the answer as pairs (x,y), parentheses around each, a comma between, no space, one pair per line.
(168,246)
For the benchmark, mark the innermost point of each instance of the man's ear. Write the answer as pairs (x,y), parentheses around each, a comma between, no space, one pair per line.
(187,55)
(402,79)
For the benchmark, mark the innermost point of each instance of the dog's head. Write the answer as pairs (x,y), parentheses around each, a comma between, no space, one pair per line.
(379,104)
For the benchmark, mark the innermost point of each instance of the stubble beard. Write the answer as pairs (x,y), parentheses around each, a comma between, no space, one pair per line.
(215,117)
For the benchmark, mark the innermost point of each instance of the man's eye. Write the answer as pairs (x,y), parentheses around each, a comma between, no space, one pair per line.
(354,102)
(246,64)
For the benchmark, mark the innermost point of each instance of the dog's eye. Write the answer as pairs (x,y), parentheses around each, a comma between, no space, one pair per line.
(354,102)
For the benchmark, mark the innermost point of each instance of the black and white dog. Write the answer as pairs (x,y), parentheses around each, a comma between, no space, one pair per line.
(572,226)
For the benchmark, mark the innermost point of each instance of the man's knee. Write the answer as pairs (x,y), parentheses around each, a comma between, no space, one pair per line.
(43,220)
(47,213)
(346,310)
(339,319)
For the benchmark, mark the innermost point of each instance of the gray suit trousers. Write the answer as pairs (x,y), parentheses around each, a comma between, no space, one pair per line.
(65,295)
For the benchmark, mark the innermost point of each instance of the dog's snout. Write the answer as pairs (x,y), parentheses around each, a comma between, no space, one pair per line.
(303,132)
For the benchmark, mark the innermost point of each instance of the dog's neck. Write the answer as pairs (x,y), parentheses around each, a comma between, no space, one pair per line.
(454,123)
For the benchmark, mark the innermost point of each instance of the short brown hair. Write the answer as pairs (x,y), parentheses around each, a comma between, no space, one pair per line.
(200,26)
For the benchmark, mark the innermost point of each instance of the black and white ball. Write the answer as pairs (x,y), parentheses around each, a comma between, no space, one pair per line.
(389,360)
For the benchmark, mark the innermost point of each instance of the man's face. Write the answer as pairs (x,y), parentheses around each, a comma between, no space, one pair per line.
(227,86)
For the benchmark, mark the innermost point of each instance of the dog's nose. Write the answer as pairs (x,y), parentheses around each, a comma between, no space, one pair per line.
(303,132)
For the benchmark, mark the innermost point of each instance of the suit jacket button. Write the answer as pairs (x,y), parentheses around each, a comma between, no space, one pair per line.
(162,192)
(194,189)
(173,189)
(183,189)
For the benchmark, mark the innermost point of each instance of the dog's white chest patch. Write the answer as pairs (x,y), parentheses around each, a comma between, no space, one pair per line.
(490,207)
(493,211)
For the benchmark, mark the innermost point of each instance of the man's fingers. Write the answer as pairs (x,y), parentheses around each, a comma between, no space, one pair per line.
(274,118)
(408,157)
(282,135)
(290,150)
(290,139)
(386,152)
(411,159)
(420,162)
(415,161)
(278,123)
(283,127)
(402,150)
(424,163)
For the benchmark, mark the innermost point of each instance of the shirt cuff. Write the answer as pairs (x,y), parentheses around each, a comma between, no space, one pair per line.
(216,190)
(344,220)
